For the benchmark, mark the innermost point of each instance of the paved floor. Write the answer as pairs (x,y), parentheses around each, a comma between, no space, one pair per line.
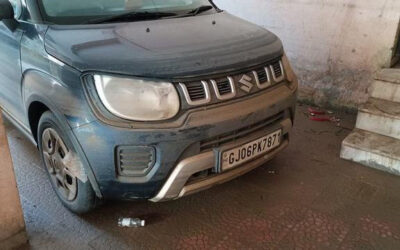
(306,198)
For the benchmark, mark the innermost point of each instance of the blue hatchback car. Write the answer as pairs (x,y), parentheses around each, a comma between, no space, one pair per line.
(142,99)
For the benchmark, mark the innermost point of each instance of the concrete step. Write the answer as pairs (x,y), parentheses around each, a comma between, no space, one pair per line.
(389,75)
(381,117)
(385,90)
(372,150)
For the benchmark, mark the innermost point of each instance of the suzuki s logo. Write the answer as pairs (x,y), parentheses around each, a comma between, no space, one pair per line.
(246,83)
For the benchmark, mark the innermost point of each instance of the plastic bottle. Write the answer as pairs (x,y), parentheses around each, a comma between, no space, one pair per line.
(131,222)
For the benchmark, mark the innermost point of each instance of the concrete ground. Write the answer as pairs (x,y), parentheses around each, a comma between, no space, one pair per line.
(306,198)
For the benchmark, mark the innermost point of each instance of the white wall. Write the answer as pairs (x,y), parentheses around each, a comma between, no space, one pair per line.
(334,45)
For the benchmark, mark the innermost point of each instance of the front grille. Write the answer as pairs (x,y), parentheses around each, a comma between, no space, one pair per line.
(234,86)
(277,70)
(135,160)
(262,75)
(238,134)
(224,86)
(196,91)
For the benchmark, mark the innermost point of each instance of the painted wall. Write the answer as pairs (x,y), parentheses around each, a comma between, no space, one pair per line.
(335,46)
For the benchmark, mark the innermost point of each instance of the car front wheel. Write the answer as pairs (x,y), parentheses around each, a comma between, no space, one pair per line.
(61,162)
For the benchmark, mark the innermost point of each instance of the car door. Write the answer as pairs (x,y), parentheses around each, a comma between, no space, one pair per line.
(10,69)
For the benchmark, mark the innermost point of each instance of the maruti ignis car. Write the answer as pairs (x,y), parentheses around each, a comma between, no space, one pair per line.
(142,99)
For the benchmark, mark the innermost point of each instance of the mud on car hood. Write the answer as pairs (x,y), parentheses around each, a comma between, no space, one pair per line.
(166,48)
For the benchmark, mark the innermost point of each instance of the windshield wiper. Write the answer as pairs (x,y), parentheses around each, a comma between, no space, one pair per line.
(196,11)
(131,16)
(200,9)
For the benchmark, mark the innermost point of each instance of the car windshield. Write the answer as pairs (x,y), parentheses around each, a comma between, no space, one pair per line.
(78,11)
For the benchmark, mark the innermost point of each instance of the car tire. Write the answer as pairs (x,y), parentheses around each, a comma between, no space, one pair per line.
(54,146)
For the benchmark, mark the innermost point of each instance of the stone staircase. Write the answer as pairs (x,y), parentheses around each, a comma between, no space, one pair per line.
(375,142)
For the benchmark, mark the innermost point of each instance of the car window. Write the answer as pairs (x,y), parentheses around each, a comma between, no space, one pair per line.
(17,6)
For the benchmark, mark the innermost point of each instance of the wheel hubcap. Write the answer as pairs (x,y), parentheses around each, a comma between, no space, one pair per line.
(55,154)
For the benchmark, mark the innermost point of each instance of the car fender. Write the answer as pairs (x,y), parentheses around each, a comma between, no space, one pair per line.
(69,105)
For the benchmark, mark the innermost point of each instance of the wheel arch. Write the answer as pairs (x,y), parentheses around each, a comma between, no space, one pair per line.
(42,92)
(35,110)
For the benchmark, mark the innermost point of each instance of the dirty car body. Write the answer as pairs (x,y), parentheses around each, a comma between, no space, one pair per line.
(223,85)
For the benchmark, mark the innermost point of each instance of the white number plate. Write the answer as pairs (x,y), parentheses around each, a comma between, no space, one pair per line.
(234,157)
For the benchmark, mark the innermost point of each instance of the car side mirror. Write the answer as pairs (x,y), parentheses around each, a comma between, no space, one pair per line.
(6,10)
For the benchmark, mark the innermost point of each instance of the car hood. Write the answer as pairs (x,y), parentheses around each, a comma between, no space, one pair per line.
(167,48)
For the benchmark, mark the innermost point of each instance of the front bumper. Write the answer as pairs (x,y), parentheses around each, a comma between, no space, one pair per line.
(178,149)
(178,186)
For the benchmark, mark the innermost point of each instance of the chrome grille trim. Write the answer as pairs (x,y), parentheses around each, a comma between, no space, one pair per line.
(199,93)
(224,96)
(276,77)
(188,98)
(263,85)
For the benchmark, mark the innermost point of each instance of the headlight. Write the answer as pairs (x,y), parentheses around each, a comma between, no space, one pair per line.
(136,99)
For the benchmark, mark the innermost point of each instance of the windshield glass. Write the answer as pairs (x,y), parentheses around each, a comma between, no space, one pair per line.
(81,11)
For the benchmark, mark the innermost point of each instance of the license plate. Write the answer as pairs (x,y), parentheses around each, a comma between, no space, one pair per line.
(237,156)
